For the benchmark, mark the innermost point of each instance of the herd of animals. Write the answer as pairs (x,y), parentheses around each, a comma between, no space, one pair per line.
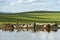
(33,26)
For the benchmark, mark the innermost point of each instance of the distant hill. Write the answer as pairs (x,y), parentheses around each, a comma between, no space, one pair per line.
(1,12)
(34,12)
(42,12)
(4,12)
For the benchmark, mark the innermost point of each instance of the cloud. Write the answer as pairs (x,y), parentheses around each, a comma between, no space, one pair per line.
(11,4)
(58,1)
(19,1)
(5,7)
(31,0)
(25,1)
(23,5)
(1,0)
(41,3)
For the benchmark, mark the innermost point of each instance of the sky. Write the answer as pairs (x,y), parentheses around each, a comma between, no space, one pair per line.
(29,5)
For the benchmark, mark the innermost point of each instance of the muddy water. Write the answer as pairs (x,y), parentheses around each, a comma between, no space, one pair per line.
(29,35)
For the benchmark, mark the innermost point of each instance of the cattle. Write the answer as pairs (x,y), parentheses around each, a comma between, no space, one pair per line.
(47,27)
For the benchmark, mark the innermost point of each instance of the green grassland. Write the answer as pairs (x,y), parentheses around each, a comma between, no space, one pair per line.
(29,17)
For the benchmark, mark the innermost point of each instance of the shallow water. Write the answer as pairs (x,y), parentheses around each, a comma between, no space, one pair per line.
(29,35)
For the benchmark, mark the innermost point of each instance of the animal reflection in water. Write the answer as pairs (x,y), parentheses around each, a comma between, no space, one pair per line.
(47,27)
(8,27)
(34,27)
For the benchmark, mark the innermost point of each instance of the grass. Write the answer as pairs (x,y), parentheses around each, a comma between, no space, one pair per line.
(30,17)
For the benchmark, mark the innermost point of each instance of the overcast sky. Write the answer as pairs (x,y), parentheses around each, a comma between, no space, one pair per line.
(29,5)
